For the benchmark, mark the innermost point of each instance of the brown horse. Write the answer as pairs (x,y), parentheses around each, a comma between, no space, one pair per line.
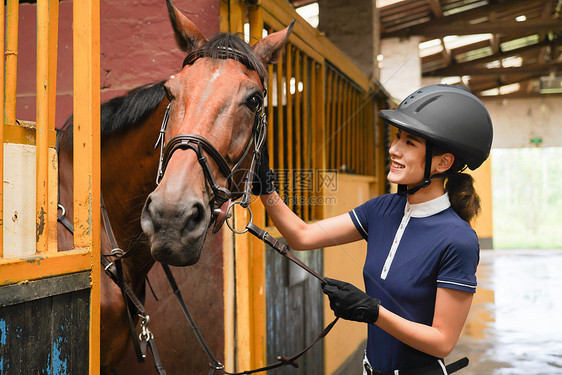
(214,97)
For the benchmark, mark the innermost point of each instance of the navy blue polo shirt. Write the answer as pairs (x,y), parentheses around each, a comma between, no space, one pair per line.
(412,250)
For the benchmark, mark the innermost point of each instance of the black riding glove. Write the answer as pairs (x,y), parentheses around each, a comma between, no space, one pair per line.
(264,177)
(349,302)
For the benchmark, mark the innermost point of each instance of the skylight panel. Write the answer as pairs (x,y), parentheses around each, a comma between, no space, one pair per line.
(520,42)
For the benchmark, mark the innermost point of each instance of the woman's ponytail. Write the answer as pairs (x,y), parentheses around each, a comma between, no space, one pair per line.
(460,187)
(464,199)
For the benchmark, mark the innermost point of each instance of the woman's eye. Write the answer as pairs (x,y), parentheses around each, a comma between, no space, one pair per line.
(254,102)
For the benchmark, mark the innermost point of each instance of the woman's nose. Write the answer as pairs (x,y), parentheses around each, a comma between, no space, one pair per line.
(394,148)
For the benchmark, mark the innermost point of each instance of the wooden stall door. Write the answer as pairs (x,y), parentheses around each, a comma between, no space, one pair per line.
(294,311)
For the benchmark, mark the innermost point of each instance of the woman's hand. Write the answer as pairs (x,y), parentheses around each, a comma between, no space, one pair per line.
(351,303)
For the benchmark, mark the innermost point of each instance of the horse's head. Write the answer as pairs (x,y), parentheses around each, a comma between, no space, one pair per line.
(214,120)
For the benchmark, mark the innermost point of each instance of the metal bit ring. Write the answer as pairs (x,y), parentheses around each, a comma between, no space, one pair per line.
(231,215)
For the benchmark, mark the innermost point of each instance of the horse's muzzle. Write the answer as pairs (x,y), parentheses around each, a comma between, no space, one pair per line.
(176,229)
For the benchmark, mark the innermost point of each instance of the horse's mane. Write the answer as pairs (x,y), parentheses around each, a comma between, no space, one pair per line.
(120,113)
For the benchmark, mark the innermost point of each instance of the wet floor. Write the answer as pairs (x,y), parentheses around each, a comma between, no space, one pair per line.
(515,323)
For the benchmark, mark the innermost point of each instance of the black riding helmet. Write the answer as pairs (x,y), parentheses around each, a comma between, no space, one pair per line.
(449,117)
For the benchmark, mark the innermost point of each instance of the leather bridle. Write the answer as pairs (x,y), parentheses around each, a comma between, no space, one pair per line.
(220,201)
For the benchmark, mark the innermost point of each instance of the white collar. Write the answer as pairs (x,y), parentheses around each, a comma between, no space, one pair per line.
(428,208)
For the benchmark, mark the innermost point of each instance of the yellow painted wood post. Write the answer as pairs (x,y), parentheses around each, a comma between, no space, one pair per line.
(86,39)
(224,14)
(257,264)
(306,123)
(344,126)
(318,138)
(298,135)
(339,119)
(288,125)
(47,25)
(52,95)
(2,41)
(11,53)
(270,118)
(380,151)
(236,16)
(330,115)
(279,152)
(256,23)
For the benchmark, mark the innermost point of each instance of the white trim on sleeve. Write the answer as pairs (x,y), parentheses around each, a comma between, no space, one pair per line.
(459,284)
(361,225)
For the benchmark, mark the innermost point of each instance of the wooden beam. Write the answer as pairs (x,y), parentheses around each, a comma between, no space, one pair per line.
(500,27)
(402,19)
(397,31)
(543,69)
(402,7)
(454,69)
(516,95)
(547,9)
(301,3)
(446,52)
(462,17)
(387,18)
(503,82)
(436,8)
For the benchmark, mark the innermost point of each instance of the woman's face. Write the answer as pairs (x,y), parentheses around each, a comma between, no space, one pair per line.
(407,156)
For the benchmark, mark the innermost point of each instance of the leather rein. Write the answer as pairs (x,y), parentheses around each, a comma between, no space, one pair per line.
(221,206)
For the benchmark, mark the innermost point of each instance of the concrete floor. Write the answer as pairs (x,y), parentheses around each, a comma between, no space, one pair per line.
(515,323)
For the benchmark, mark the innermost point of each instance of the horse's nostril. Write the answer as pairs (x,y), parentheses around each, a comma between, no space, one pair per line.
(147,224)
(194,216)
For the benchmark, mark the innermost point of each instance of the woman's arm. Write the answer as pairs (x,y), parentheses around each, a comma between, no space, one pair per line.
(303,236)
(439,339)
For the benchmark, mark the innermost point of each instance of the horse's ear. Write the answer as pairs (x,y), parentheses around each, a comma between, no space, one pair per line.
(188,35)
(269,49)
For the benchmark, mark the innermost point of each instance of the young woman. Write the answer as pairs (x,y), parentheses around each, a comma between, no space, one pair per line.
(422,253)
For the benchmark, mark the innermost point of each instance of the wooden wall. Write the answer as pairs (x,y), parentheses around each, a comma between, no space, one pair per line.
(44,326)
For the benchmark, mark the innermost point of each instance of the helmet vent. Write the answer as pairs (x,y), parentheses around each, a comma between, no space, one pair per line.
(426,103)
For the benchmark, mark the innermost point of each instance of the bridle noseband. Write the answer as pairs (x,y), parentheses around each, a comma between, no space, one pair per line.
(220,202)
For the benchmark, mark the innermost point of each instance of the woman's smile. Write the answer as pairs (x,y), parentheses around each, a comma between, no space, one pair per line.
(395,165)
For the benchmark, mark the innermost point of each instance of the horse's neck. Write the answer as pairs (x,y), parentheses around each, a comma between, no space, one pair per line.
(128,164)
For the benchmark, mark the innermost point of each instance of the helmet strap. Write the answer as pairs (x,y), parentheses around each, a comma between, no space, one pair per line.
(403,189)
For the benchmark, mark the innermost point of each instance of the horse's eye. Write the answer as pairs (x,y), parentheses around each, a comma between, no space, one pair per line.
(254,102)
(168,94)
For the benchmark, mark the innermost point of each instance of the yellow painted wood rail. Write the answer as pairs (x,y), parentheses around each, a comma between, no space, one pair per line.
(44,260)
